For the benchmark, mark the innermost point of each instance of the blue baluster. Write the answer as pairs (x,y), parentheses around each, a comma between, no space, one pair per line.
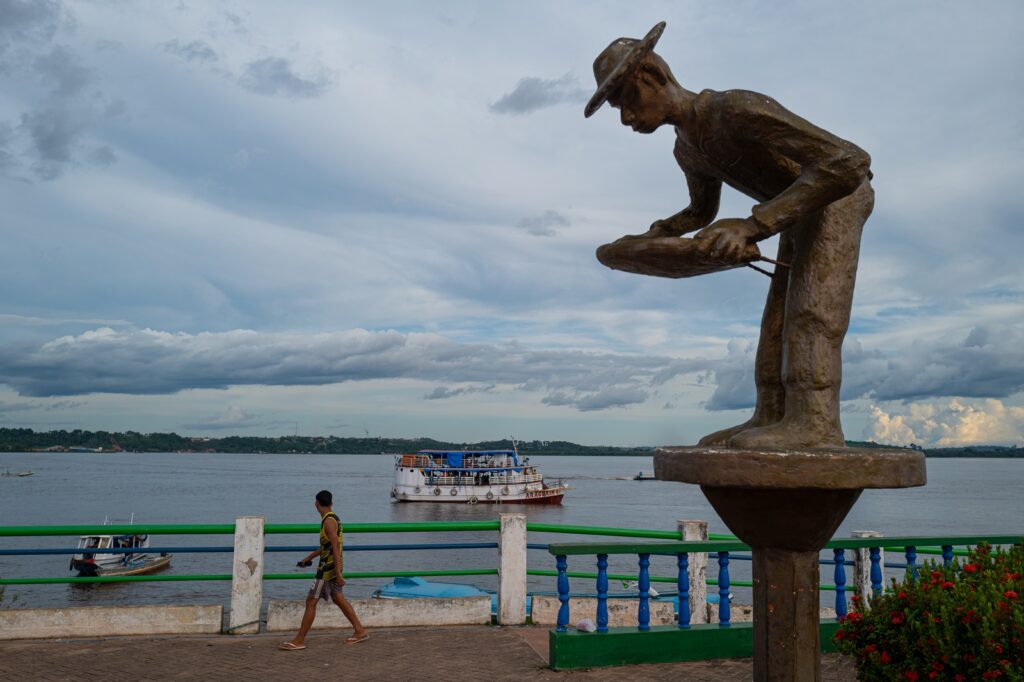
(602,593)
(683,582)
(912,562)
(876,572)
(947,556)
(840,581)
(561,563)
(723,589)
(643,612)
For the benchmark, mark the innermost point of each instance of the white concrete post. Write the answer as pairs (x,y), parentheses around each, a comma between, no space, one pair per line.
(247,576)
(862,566)
(698,569)
(512,570)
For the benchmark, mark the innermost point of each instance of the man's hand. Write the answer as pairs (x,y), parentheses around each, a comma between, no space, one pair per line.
(304,563)
(731,239)
(340,581)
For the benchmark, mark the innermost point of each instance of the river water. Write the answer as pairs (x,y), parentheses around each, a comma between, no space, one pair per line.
(962,497)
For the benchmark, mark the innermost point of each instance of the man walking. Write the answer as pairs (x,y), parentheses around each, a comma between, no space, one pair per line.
(328,582)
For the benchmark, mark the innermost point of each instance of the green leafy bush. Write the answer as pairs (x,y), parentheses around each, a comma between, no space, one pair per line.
(961,623)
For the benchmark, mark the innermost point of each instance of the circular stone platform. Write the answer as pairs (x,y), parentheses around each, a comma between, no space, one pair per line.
(823,468)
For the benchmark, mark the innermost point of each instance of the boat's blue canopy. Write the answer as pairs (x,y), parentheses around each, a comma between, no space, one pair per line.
(453,458)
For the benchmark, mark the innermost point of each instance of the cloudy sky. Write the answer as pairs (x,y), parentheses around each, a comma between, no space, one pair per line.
(351,218)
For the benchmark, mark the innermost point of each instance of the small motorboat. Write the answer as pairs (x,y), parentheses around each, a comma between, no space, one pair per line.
(109,555)
(8,472)
(641,476)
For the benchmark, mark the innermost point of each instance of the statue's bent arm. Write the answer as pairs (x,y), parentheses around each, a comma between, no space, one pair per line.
(830,167)
(705,194)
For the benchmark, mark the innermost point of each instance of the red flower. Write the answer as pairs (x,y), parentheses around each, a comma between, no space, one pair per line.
(970,568)
(911,676)
(884,657)
(897,617)
(901,595)
(1010,594)
(960,677)
(870,648)
(854,616)
(947,585)
(933,675)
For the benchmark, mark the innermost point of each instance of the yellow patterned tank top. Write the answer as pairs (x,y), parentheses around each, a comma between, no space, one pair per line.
(326,568)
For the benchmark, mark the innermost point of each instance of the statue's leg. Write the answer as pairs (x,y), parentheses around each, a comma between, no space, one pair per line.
(817,316)
(771,395)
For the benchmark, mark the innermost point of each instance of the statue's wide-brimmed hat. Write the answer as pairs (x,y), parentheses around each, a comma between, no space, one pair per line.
(618,61)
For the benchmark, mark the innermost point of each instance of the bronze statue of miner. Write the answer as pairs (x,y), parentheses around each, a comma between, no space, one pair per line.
(813,190)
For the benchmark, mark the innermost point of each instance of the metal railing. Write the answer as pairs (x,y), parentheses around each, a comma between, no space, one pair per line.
(941,546)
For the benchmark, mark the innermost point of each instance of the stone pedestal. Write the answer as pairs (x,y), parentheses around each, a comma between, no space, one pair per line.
(786,504)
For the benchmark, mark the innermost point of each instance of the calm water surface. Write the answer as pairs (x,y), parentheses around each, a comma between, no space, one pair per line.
(962,497)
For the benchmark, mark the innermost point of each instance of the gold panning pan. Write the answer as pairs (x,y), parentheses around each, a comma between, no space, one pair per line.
(674,257)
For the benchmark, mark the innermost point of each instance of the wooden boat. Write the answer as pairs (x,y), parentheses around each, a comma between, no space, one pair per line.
(472,477)
(108,555)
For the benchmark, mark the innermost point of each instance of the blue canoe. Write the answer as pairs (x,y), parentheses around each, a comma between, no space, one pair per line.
(418,588)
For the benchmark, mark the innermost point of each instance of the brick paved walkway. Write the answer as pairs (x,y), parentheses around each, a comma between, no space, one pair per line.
(451,654)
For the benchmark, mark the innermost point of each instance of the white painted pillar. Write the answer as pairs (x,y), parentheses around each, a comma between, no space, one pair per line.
(698,569)
(512,570)
(862,566)
(247,576)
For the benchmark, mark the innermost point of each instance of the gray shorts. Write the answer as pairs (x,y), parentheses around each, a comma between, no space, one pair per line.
(323,589)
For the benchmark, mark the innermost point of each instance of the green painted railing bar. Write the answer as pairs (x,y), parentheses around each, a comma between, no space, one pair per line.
(663,548)
(418,527)
(598,530)
(384,574)
(659,548)
(121,529)
(229,528)
(115,579)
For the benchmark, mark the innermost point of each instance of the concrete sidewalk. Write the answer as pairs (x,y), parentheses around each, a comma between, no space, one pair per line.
(448,654)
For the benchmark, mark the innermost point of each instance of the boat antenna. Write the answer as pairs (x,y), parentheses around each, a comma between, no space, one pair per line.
(514,448)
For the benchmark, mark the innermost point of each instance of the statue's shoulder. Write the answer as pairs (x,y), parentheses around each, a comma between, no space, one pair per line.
(735,100)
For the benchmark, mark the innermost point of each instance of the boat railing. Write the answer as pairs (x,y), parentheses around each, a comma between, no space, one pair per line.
(442,479)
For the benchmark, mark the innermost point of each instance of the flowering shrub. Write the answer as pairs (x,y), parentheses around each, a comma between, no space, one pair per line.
(962,623)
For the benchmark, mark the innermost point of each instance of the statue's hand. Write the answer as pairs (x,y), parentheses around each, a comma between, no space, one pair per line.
(664,228)
(730,239)
(659,228)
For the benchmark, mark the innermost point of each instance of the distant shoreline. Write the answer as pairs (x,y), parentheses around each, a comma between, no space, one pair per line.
(27,440)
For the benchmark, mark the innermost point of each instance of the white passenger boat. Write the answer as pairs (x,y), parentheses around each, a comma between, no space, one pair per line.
(472,476)
(132,559)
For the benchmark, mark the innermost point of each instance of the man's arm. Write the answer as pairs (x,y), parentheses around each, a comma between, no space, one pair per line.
(830,167)
(331,529)
(705,194)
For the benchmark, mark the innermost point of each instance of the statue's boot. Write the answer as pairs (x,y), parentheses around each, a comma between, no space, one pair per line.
(770,401)
(811,420)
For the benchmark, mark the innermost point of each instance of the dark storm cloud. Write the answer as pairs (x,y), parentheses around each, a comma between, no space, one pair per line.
(531,94)
(443,392)
(49,134)
(150,362)
(544,225)
(275,76)
(195,51)
(27,21)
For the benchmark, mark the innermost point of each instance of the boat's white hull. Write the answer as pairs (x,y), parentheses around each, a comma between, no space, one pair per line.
(480,494)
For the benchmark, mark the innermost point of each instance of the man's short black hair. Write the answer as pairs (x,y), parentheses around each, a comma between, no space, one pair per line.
(325,498)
